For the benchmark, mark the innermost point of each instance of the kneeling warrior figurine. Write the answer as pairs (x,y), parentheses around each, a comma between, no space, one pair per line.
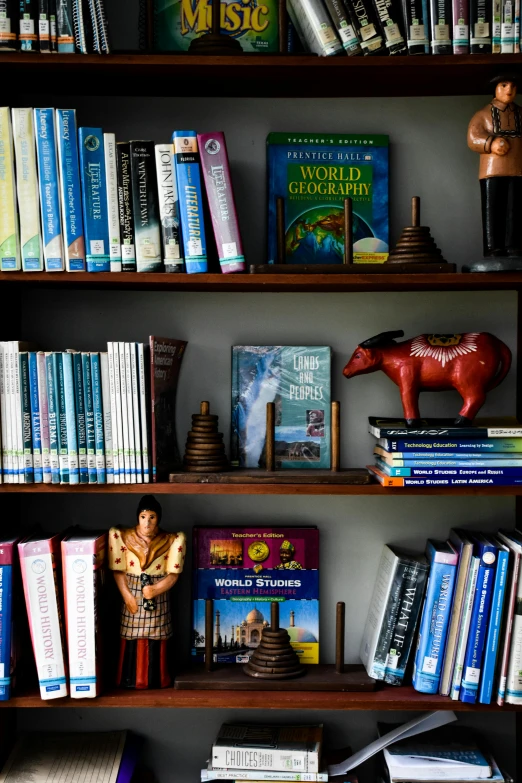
(147,563)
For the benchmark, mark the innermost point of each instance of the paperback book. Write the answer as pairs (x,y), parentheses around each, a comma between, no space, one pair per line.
(27,191)
(9,243)
(48,175)
(268,747)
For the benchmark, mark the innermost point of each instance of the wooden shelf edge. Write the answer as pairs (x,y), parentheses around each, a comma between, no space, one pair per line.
(386,699)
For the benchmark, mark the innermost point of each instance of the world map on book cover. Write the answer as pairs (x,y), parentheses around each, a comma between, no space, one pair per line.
(297,380)
(314,174)
(244,569)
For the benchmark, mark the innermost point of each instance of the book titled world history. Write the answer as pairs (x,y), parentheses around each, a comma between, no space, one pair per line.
(244,569)
(297,380)
(314,174)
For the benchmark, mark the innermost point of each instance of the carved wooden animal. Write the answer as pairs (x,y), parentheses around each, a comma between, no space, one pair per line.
(472,364)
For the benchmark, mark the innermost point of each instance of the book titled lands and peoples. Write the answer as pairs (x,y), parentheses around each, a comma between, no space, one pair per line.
(244,569)
(297,380)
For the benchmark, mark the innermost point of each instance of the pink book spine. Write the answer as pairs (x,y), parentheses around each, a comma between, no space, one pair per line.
(220,194)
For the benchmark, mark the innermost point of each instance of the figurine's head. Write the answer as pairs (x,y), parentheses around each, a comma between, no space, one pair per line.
(149,516)
(286,552)
(505,86)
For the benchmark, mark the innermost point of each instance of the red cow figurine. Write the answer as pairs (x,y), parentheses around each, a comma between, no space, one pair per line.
(472,363)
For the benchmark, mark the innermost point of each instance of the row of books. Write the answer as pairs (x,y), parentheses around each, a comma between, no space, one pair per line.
(71,417)
(72,199)
(373,27)
(437,453)
(465,599)
(64,26)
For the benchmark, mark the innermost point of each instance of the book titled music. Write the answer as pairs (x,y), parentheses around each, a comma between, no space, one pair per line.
(83,557)
(40,560)
(165,363)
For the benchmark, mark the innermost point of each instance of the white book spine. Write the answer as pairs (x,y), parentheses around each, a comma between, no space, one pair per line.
(514,672)
(9,239)
(81,619)
(230,756)
(6,469)
(124,415)
(136,412)
(119,415)
(107,418)
(31,250)
(462,642)
(143,414)
(109,141)
(42,609)
(114,420)
(130,413)
(240,775)
(381,591)
(18,413)
(44,417)
(13,412)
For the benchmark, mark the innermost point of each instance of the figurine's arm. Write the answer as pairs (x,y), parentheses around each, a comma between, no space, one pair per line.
(120,578)
(165,584)
(480,138)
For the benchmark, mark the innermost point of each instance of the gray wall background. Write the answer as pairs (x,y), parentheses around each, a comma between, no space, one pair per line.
(428,157)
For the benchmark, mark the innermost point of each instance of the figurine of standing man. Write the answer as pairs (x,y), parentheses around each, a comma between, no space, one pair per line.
(147,563)
(495,132)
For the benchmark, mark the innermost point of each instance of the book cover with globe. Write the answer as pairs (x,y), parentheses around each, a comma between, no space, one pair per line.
(244,569)
(314,173)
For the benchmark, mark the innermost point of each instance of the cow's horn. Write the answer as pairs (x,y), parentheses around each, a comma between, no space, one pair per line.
(384,338)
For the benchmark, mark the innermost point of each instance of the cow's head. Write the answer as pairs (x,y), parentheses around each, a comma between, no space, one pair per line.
(367,356)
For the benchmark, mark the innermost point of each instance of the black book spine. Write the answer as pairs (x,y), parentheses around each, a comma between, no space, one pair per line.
(128,251)
(390,616)
(27,34)
(53,28)
(480,24)
(344,26)
(8,25)
(44,26)
(367,27)
(441,26)
(416,26)
(403,632)
(391,20)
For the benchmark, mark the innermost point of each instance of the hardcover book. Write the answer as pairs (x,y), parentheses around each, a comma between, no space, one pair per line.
(128,250)
(94,196)
(344,26)
(461,26)
(165,363)
(169,208)
(510,619)
(455,444)
(243,569)
(506,427)
(481,26)
(111,176)
(441,12)
(147,238)
(492,643)
(314,174)
(416,22)
(187,166)
(65,26)
(9,26)
(8,563)
(27,190)
(27,36)
(268,747)
(511,687)
(9,243)
(392,25)
(297,380)
(463,634)
(314,27)
(367,26)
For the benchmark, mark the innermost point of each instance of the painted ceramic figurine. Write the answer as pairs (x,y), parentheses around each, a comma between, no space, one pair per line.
(147,563)
(472,364)
(495,132)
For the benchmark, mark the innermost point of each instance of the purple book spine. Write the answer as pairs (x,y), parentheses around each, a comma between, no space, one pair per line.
(220,194)
(460,26)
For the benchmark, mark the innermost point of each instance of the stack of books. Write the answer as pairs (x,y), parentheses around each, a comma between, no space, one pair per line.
(73,199)
(437,453)
(258,753)
(71,417)
(466,618)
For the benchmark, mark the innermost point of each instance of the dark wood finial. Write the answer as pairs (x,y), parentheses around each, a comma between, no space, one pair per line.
(348,231)
(415,211)
(204,408)
(274,616)
(280,231)
(336,437)
(209,635)
(270,436)
(339,637)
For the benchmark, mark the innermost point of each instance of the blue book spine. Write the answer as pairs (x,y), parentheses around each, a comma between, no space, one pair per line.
(89,418)
(495,623)
(62,419)
(35,417)
(97,403)
(452,472)
(456,461)
(188,176)
(74,242)
(434,627)
(94,196)
(25,403)
(6,620)
(479,622)
(52,407)
(70,417)
(81,432)
(473,446)
(48,178)
(449,481)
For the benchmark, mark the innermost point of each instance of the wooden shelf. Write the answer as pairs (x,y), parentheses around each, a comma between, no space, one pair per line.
(250,75)
(255,489)
(386,699)
(263,283)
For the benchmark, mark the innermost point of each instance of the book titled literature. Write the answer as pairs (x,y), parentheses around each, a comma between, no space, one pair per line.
(147,236)
(128,250)
(297,380)
(8,562)
(27,190)
(165,363)
(186,163)
(83,557)
(244,746)
(70,190)
(242,569)
(220,195)
(40,559)
(48,175)
(9,243)
(94,196)
(168,208)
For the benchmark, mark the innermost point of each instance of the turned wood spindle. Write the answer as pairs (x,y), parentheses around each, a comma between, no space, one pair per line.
(348,231)
(339,637)
(270,437)
(204,408)
(274,616)
(336,438)
(415,211)
(280,231)
(209,633)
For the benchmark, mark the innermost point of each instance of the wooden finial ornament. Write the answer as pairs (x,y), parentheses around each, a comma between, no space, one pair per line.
(274,658)
(205,450)
(416,245)
(339,637)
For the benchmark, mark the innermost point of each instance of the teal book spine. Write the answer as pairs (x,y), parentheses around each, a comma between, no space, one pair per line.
(70,417)
(94,196)
(81,433)
(25,400)
(35,417)
(456,445)
(89,418)
(97,404)
(62,419)
(52,407)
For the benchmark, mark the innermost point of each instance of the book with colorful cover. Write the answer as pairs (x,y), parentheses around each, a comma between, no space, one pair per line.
(297,380)
(166,356)
(52,403)
(463,635)
(70,417)
(63,440)
(443,459)
(44,417)
(8,563)
(27,190)
(89,418)
(147,236)
(243,569)
(79,404)
(9,241)
(97,404)
(49,181)
(94,199)
(440,481)
(74,241)
(25,413)
(454,472)
(493,639)
(314,173)
(455,445)
(188,176)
